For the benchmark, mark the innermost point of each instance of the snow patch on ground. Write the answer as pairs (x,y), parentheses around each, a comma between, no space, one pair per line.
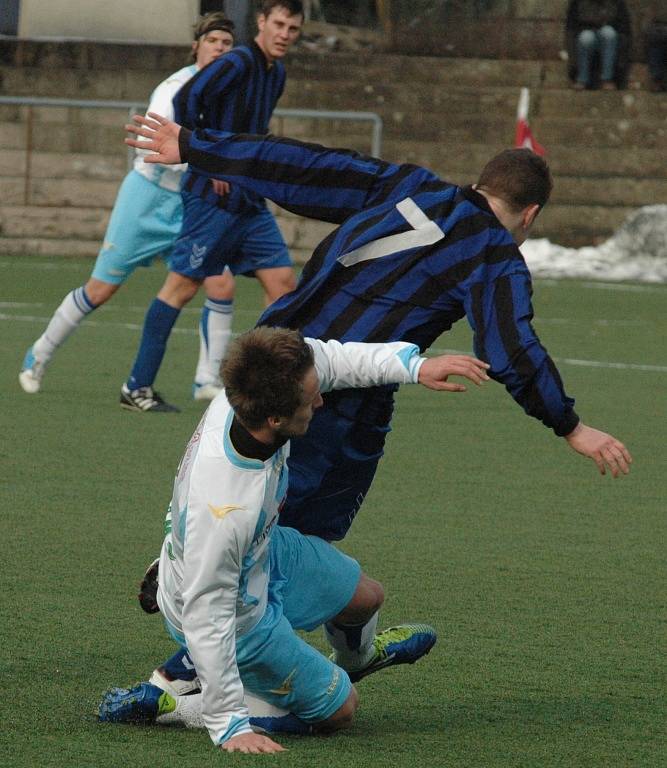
(637,251)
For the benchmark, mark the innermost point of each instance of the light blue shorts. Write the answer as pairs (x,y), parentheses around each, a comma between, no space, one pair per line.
(311,582)
(213,237)
(144,223)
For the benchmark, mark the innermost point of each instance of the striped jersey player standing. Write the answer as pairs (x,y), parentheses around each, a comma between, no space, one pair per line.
(222,226)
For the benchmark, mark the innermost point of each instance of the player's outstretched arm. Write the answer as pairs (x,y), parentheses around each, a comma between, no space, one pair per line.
(162,135)
(252,744)
(435,372)
(605,450)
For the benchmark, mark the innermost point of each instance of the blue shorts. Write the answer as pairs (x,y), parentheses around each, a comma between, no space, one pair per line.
(212,238)
(311,582)
(145,222)
(332,466)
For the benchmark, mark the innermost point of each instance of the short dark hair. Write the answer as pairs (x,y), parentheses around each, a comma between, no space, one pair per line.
(517,176)
(263,373)
(293,7)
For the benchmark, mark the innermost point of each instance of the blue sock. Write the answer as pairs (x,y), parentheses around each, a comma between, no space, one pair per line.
(160,319)
(180,666)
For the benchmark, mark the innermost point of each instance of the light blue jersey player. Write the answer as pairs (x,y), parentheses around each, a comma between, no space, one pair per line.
(233,585)
(145,223)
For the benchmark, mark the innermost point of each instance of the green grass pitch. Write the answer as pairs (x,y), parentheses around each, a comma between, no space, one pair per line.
(545,581)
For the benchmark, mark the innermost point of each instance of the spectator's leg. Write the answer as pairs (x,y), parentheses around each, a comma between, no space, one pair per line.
(608,41)
(586,46)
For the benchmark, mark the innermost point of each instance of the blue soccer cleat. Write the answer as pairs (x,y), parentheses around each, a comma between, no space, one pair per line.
(403,644)
(141,704)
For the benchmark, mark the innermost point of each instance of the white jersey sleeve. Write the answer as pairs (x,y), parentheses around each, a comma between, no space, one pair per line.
(357,364)
(222,512)
(161,102)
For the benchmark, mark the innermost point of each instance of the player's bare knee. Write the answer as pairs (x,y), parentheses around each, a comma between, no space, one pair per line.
(366,601)
(99,291)
(178,290)
(343,716)
(220,287)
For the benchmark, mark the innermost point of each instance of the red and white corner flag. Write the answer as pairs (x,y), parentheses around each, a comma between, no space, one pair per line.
(524,136)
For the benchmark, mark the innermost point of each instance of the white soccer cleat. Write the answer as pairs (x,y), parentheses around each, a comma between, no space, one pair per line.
(32,373)
(206,391)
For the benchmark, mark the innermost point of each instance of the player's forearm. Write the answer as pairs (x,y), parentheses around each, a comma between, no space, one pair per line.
(308,179)
(355,364)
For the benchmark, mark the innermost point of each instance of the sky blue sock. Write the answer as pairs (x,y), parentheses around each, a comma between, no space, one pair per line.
(160,319)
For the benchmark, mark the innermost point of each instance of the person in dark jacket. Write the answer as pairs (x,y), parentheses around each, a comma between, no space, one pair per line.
(655,39)
(598,40)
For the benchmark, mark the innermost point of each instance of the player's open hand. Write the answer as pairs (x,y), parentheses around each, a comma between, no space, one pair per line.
(162,135)
(435,372)
(252,744)
(605,450)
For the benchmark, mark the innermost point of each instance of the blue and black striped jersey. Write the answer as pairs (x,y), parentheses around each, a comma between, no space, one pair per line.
(238,92)
(412,255)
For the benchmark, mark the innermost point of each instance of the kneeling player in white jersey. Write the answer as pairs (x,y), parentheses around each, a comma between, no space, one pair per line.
(234,585)
(145,223)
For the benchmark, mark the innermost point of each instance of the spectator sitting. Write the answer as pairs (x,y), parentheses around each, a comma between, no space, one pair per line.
(597,39)
(655,37)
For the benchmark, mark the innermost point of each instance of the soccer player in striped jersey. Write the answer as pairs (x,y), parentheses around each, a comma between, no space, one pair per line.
(412,255)
(221,225)
(234,586)
(145,221)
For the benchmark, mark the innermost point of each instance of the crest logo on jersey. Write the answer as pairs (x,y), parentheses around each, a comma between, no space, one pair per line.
(197,255)
(286,686)
(223,511)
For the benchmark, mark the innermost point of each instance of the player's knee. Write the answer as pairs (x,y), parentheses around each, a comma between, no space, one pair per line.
(343,716)
(366,601)
(220,287)
(178,290)
(99,292)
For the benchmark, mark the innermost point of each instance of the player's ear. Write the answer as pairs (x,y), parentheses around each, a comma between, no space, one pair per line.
(274,421)
(261,20)
(529,215)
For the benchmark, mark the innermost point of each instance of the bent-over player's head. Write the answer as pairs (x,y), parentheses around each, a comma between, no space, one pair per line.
(279,23)
(270,380)
(517,176)
(517,184)
(213,36)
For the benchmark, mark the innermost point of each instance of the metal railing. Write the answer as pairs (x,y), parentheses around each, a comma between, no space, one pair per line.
(137,106)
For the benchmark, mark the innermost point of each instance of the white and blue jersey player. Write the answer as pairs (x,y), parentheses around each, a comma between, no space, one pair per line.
(145,221)
(233,585)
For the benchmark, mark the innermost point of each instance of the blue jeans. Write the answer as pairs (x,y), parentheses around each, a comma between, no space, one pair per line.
(591,41)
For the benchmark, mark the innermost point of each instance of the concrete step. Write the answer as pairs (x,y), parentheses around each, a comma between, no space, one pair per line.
(53,223)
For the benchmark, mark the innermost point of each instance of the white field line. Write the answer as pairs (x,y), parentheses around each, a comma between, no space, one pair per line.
(432,350)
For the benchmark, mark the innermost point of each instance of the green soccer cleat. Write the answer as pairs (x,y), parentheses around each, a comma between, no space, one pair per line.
(403,644)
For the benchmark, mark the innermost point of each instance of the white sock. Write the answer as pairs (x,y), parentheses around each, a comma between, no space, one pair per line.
(66,319)
(352,644)
(188,711)
(215,332)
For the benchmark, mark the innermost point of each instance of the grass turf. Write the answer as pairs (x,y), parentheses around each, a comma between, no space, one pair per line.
(545,582)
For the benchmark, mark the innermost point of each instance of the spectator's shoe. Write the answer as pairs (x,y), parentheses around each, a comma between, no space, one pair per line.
(32,373)
(148,588)
(141,704)
(578,86)
(404,644)
(609,85)
(205,391)
(144,399)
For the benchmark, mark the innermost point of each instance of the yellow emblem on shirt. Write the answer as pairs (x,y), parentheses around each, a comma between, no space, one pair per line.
(286,685)
(221,512)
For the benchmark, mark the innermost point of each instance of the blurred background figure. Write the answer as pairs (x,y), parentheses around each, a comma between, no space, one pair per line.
(655,39)
(597,36)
